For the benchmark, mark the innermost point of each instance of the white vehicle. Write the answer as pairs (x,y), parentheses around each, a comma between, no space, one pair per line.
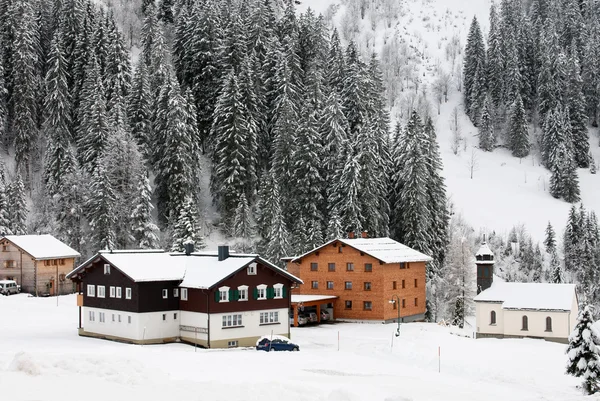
(8,287)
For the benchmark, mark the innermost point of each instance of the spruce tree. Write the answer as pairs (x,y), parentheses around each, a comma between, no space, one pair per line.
(348,201)
(242,223)
(573,232)
(334,227)
(550,239)
(186,228)
(577,117)
(518,130)
(4,210)
(582,352)
(555,269)
(165,11)
(100,208)
(474,72)
(139,109)
(487,139)
(17,206)
(495,58)
(143,230)
(278,244)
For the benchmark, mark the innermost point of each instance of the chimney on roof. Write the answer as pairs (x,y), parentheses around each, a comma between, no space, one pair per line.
(189,248)
(351,235)
(364,234)
(223,252)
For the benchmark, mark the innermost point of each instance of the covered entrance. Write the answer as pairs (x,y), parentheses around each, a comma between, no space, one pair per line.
(299,302)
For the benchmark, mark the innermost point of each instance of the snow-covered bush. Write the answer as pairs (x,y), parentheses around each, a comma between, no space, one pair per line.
(582,353)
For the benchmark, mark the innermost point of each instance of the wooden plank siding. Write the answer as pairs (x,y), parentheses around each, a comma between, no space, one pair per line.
(34,276)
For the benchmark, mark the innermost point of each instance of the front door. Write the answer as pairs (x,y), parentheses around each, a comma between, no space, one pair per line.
(52,286)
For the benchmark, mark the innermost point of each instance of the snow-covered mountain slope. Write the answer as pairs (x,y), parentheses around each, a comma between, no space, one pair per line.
(504,191)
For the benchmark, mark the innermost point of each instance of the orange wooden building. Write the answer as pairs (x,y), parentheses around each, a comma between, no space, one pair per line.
(371,278)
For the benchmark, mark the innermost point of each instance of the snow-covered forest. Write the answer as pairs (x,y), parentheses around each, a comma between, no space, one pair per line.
(149,124)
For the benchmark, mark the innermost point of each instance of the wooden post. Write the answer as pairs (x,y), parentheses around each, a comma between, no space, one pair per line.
(318,313)
(295,307)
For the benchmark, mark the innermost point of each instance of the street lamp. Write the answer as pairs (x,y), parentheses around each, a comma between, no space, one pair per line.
(397,302)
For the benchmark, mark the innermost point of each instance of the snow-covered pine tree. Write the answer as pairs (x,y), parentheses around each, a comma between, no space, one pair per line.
(550,239)
(235,136)
(590,64)
(518,131)
(487,139)
(165,11)
(68,207)
(186,227)
(139,109)
(17,206)
(564,182)
(576,108)
(347,195)
(278,244)
(582,352)
(144,232)
(3,108)
(100,208)
(243,229)
(474,72)
(495,58)
(59,159)
(556,274)
(334,227)
(4,216)
(573,232)
(25,84)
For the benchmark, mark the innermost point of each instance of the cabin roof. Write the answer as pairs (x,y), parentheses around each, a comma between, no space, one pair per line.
(43,246)
(384,249)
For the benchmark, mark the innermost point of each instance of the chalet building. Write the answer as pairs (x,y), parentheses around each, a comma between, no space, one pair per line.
(215,300)
(517,310)
(362,279)
(38,263)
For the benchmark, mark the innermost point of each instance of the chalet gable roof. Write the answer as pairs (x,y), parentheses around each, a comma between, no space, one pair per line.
(201,270)
(42,247)
(530,296)
(384,249)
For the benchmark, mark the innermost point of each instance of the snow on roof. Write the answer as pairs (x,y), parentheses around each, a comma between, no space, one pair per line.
(199,270)
(384,249)
(43,246)
(484,249)
(296,298)
(540,296)
(147,266)
(205,271)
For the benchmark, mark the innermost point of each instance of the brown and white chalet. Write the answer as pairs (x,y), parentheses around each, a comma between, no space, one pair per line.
(39,263)
(215,300)
(357,279)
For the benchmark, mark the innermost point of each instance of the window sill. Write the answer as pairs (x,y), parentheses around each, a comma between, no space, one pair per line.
(524,330)
(232,327)
(277,297)
(242,300)
(269,324)
(492,324)
(261,299)
(547,331)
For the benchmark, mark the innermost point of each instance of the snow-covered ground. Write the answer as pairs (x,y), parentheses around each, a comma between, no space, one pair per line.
(504,191)
(42,358)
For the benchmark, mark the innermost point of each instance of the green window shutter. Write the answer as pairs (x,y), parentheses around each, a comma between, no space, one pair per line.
(217,296)
(270,293)
(232,295)
(255,292)
(236,296)
(283,291)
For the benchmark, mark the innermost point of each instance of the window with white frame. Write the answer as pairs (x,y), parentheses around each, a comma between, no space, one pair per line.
(101,317)
(232,344)
(106,268)
(243,291)
(232,320)
(184,294)
(129,319)
(278,291)
(224,294)
(164,317)
(175,292)
(119,292)
(112,291)
(119,318)
(127,293)
(165,293)
(261,291)
(251,269)
(92,316)
(113,317)
(101,291)
(91,290)
(269,317)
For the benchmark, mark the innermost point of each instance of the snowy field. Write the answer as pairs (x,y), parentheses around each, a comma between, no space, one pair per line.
(42,358)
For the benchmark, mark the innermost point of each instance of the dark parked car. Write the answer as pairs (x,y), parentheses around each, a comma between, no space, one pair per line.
(276,344)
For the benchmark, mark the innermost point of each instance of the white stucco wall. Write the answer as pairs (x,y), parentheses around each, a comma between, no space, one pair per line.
(194,319)
(483,318)
(146,326)
(510,322)
(251,325)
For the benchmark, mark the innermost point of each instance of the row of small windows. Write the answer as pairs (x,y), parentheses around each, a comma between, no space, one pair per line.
(235,320)
(261,292)
(348,285)
(368,305)
(116,318)
(99,291)
(368,267)
(524,322)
